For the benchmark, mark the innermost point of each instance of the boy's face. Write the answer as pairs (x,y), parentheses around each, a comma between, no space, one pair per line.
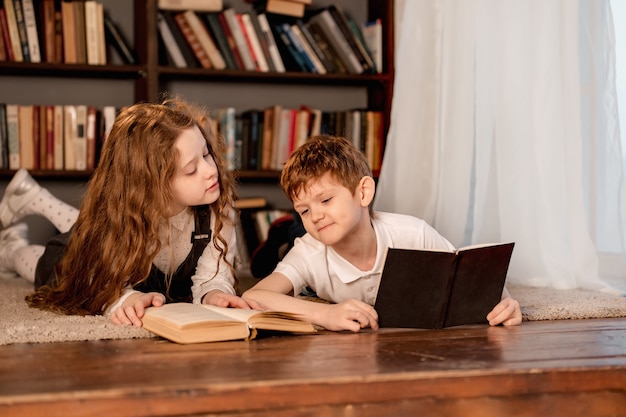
(330,212)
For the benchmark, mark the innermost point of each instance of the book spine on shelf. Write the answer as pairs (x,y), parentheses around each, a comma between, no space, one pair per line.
(80,28)
(272,47)
(25,130)
(338,42)
(262,40)
(343,23)
(298,49)
(324,45)
(253,42)
(32,37)
(69,135)
(115,37)
(4,138)
(308,50)
(92,43)
(373,36)
(91,136)
(80,141)
(193,41)
(48,30)
(181,42)
(196,5)
(235,29)
(21,29)
(13,136)
(58,137)
(203,36)
(69,32)
(13,32)
(172,48)
(215,29)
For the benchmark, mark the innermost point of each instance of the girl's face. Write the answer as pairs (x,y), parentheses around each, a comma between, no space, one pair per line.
(196,181)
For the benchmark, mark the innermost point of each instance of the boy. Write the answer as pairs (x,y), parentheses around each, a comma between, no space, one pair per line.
(342,254)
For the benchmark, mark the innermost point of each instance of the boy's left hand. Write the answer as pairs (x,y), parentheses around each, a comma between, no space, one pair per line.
(506,312)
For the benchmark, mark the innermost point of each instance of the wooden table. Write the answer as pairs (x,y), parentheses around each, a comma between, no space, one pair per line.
(552,368)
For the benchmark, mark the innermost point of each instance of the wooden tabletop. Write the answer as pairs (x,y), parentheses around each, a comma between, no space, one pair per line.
(571,367)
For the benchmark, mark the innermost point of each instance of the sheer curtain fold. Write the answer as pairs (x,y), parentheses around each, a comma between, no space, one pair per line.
(488,136)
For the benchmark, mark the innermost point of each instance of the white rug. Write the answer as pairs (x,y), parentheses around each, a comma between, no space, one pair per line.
(21,324)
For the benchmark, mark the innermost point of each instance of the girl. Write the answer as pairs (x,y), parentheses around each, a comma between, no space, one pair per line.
(156,223)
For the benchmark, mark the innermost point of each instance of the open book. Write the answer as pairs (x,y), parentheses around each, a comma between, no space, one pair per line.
(195,323)
(433,289)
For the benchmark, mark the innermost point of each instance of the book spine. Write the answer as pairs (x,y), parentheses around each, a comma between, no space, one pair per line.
(181,42)
(253,42)
(262,41)
(337,41)
(25,130)
(80,141)
(196,5)
(193,41)
(13,136)
(4,139)
(308,51)
(271,43)
(357,47)
(32,36)
(91,33)
(114,36)
(235,29)
(21,29)
(298,49)
(91,136)
(47,8)
(200,30)
(14,34)
(231,41)
(58,146)
(171,46)
(69,135)
(80,28)
(5,41)
(373,36)
(213,24)
(306,34)
(297,58)
(69,32)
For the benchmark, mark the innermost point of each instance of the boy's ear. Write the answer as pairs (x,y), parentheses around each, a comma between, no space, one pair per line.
(366,190)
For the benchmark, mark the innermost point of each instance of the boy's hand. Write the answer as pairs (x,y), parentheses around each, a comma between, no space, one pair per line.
(506,312)
(132,309)
(221,299)
(351,315)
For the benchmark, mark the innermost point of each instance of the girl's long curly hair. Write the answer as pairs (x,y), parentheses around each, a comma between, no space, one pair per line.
(116,236)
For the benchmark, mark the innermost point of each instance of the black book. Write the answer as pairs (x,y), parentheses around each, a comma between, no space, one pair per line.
(355,43)
(430,289)
(215,28)
(183,45)
(114,37)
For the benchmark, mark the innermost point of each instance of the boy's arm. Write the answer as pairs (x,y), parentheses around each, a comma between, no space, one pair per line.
(275,293)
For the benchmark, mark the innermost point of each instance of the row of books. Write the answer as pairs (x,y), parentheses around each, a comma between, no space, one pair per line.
(327,41)
(59,31)
(263,139)
(52,137)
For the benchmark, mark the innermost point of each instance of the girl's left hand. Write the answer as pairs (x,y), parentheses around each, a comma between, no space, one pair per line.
(132,309)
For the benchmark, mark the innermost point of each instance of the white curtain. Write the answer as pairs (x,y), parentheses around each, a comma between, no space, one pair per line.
(504,128)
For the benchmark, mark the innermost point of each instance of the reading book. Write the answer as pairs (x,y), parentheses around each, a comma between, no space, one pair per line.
(434,289)
(195,323)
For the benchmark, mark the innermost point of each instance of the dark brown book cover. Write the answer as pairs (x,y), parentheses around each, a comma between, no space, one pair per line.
(431,289)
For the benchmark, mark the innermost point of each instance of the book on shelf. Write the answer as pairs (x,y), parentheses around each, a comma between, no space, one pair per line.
(250,203)
(231,41)
(91,137)
(307,49)
(32,37)
(294,60)
(70,126)
(199,323)
(230,16)
(373,36)
(262,37)
(272,47)
(433,289)
(13,136)
(81,31)
(3,49)
(25,130)
(80,140)
(334,64)
(328,64)
(39,136)
(6,37)
(347,29)
(115,37)
(18,10)
(283,7)
(202,34)
(58,146)
(172,48)
(193,41)
(254,42)
(92,34)
(13,32)
(4,138)
(48,30)
(109,113)
(326,23)
(214,26)
(196,5)
(69,33)
(180,43)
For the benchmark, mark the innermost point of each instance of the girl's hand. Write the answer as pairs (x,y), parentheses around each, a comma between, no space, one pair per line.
(351,315)
(132,309)
(506,312)
(221,299)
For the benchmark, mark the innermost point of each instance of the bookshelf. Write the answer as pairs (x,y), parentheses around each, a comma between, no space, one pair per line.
(118,84)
